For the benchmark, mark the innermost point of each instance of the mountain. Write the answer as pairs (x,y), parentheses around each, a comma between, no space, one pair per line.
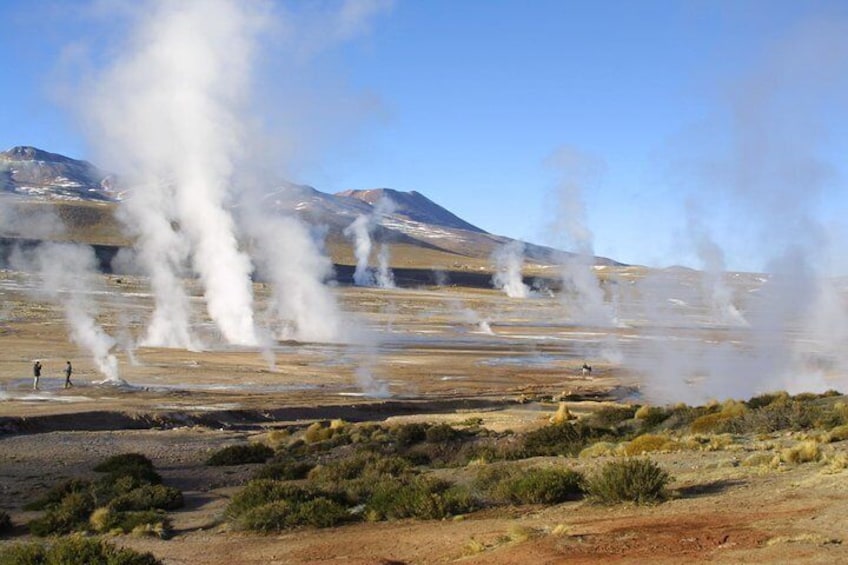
(413,206)
(423,233)
(34,173)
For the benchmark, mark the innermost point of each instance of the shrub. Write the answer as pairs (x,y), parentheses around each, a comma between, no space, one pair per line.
(611,416)
(69,515)
(648,443)
(630,480)
(130,486)
(260,491)
(766,399)
(284,471)
(367,466)
(240,455)
(651,415)
(424,498)
(778,415)
(599,449)
(148,522)
(284,514)
(560,439)
(133,465)
(117,463)
(266,506)
(409,434)
(317,432)
(322,512)
(55,495)
(441,433)
(709,423)
(5,523)
(538,486)
(74,549)
(149,497)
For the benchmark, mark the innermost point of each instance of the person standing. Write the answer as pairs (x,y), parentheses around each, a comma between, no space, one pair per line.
(68,371)
(36,374)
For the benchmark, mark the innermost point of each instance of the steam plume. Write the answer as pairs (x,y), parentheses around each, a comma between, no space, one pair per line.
(582,292)
(767,161)
(67,274)
(360,231)
(509,259)
(169,113)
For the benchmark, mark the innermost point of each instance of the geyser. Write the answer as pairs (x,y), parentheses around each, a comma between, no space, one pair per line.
(172,112)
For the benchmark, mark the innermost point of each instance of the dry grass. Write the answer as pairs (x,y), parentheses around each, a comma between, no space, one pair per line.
(650,443)
(562,414)
(805,451)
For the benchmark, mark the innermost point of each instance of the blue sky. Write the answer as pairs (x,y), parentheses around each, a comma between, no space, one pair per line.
(465,101)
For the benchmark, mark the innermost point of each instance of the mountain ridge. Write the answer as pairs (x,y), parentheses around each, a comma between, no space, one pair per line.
(400,217)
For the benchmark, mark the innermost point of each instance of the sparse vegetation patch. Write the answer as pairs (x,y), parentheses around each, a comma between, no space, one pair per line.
(629,480)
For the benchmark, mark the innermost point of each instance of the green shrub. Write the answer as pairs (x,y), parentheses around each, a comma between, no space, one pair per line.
(55,495)
(777,416)
(5,523)
(409,434)
(322,512)
(630,480)
(441,433)
(566,438)
(419,497)
(150,522)
(766,399)
(262,491)
(652,416)
(284,471)
(130,487)
(611,416)
(117,463)
(369,466)
(72,550)
(23,554)
(241,455)
(70,514)
(149,497)
(538,486)
(133,465)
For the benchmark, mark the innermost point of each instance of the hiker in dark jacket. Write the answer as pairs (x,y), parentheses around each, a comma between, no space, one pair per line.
(36,374)
(68,371)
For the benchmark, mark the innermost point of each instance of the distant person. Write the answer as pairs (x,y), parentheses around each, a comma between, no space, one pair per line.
(36,374)
(68,371)
(587,369)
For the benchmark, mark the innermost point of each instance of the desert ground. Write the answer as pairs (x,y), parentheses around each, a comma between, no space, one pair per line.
(429,354)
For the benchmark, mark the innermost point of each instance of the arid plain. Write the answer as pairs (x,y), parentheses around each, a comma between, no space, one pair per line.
(429,354)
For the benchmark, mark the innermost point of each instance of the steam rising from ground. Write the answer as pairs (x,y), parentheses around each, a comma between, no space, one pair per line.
(581,292)
(360,231)
(766,162)
(68,275)
(509,258)
(172,112)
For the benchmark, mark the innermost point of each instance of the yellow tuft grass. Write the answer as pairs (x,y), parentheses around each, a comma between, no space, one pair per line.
(839,433)
(562,414)
(803,452)
(650,443)
(599,449)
